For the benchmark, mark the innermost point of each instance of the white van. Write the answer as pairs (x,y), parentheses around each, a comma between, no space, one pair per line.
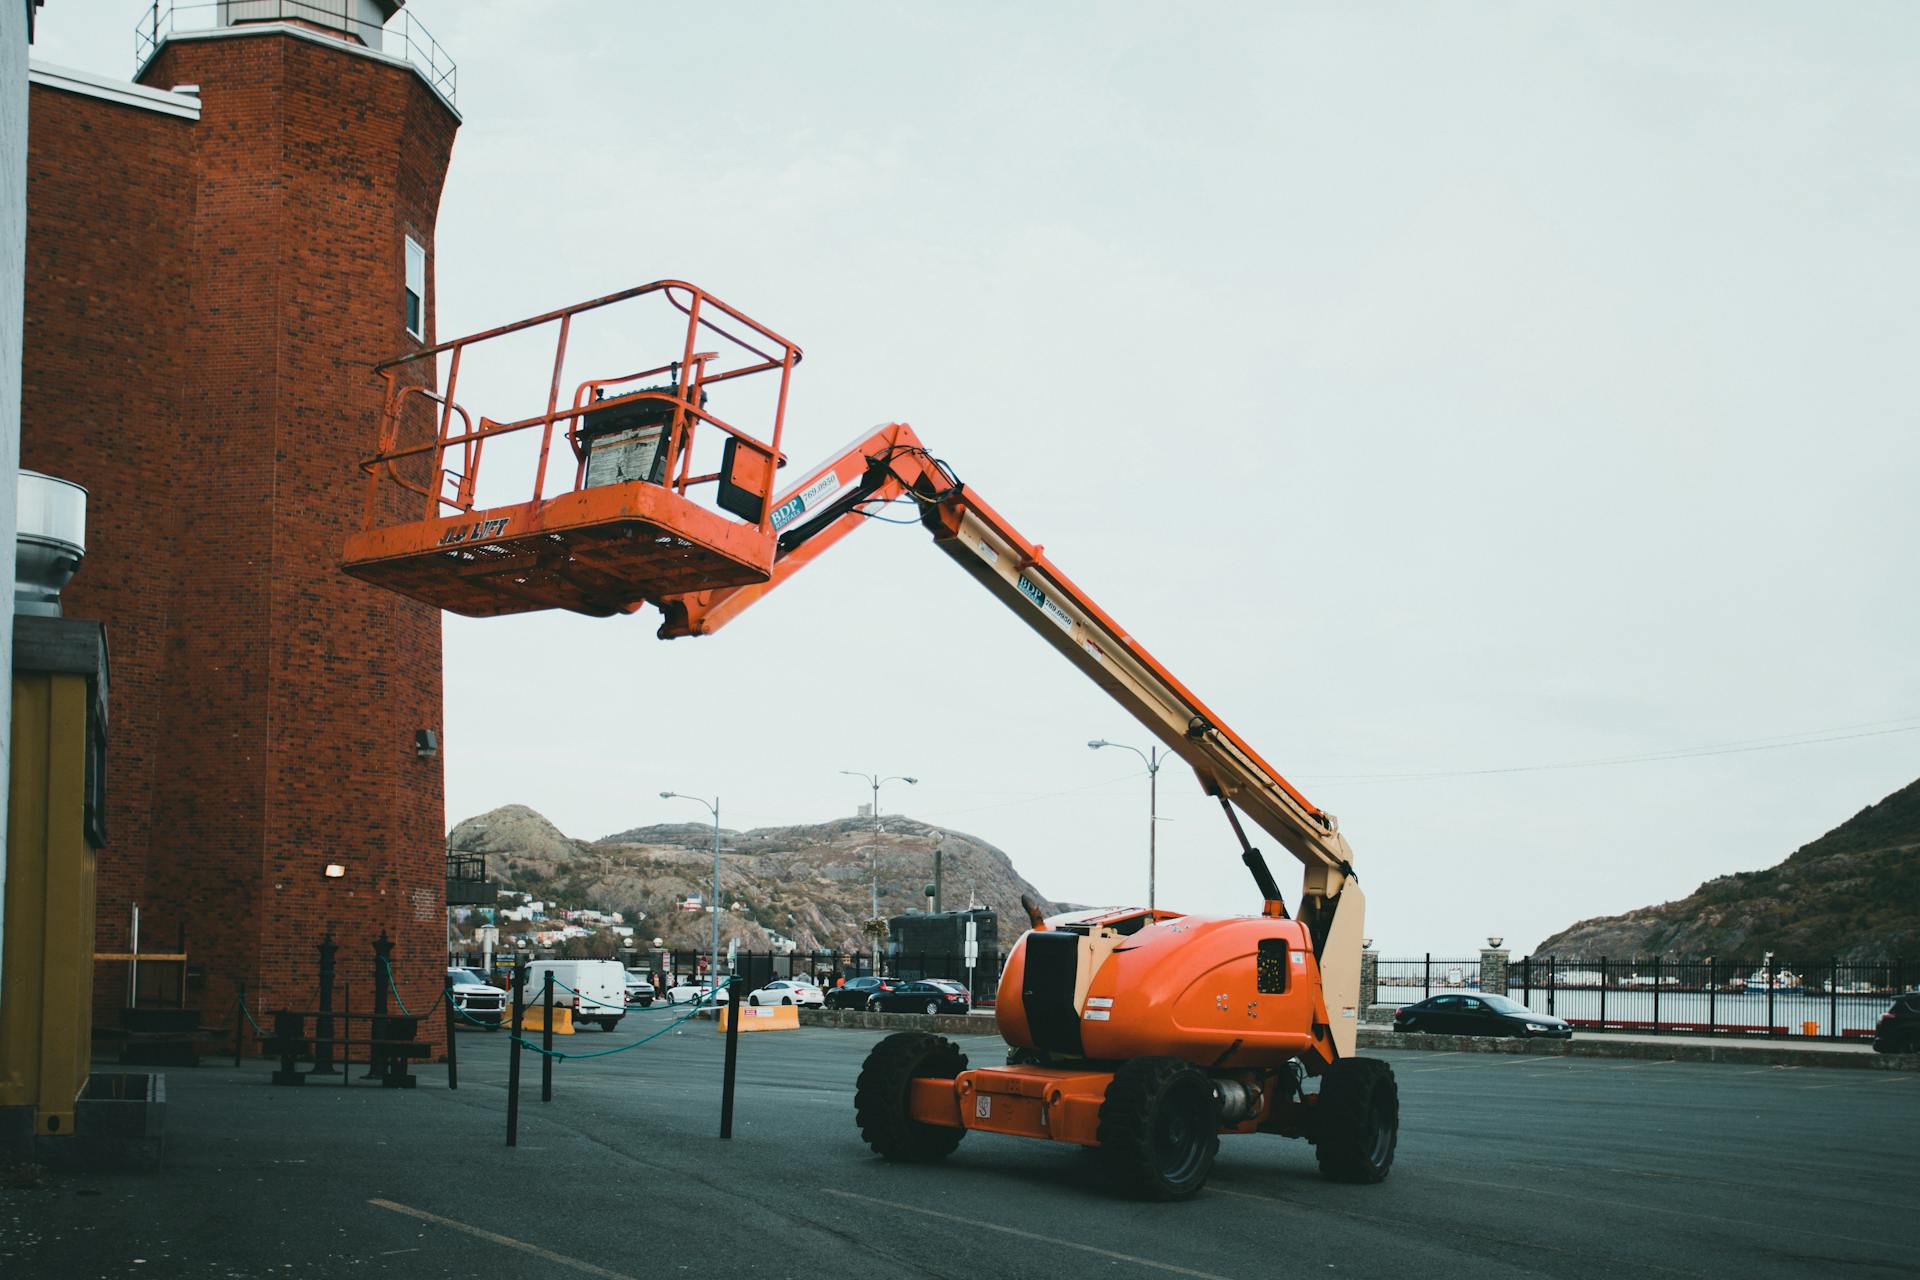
(596,990)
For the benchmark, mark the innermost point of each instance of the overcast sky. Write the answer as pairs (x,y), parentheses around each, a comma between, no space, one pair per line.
(1436,389)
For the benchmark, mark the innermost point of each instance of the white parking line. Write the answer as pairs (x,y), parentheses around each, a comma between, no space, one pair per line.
(977,1225)
(495,1237)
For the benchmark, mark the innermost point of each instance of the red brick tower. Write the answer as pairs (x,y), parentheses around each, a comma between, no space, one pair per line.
(205,298)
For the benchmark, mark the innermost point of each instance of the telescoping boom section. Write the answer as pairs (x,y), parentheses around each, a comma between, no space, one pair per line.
(641,522)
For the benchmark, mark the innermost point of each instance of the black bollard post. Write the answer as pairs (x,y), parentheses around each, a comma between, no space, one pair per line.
(513,1054)
(546,1040)
(323,1026)
(453,1055)
(239,1014)
(382,982)
(733,1046)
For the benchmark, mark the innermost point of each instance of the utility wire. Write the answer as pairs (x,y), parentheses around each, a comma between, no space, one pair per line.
(1780,742)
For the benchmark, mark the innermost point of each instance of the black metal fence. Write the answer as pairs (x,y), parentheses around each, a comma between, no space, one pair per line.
(1766,997)
(674,968)
(1404,981)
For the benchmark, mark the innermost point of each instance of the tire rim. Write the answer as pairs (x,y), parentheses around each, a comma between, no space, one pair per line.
(932,1008)
(1178,1139)
(1380,1132)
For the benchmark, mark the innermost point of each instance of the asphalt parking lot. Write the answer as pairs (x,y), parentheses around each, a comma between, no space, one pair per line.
(1507,1166)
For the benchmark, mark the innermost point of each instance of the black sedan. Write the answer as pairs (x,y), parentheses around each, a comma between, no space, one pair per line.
(857,991)
(1899,1029)
(1479,1014)
(935,995)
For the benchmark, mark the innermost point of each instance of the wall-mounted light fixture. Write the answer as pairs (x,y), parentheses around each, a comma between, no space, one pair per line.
(335,870)
(426,743)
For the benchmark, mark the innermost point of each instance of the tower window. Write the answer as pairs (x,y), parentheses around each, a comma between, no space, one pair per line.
(416,288)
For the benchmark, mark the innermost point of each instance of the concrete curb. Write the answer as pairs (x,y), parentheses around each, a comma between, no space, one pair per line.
(1599,1045)
(1593,1045)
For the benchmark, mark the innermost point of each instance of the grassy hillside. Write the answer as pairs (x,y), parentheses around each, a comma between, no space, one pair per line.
(1854,894)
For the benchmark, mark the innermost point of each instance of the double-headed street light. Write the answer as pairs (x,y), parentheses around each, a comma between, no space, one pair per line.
(713,903)
(875,781)
(1152,756)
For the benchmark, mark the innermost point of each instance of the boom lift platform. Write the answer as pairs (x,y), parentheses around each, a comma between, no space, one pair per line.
(1145,1034)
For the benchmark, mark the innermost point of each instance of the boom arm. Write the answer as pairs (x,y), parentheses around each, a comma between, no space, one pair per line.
(828,504)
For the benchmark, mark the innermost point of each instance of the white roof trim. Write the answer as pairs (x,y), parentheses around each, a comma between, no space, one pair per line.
(246,30)
(69,80)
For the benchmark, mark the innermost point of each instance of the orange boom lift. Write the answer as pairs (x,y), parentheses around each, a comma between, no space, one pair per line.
(1143,1033)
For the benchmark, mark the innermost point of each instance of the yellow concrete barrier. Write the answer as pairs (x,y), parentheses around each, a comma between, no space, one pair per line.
(535,1019)
(772,1017)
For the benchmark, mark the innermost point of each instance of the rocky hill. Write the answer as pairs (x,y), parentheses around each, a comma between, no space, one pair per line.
(812,884)
(1854,893)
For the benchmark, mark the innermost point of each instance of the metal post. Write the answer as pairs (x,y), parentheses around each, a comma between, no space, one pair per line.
(239,1013)
(1713,991)
(382,983)
(453,1053)
(713,964)
(1656,993)
(1603,993)
(513,1054)
(1833,997)
(323,1025)
(1771,984)
(1153,821)
(546,1040)
(1553,979)
(1426,977)
(733,1050)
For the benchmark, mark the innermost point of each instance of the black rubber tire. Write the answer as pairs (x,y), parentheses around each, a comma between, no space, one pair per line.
(1357,1121)
(786,1000)
(1023,1057)
(608,1024)
(885,1089)
(1159,1128)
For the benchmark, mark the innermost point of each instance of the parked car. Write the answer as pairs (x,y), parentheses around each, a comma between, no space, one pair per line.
(697,992)
(787,991)
(479,1000)
(1899,1029)
(934,995)
(639,991)
(1483,1014)
(857,991)
(596,990)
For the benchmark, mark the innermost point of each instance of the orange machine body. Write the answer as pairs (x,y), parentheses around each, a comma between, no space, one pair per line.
(1225,992)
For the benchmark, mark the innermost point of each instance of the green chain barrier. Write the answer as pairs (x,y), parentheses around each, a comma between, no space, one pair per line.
(396,991)
(561,1055)
(242,1006)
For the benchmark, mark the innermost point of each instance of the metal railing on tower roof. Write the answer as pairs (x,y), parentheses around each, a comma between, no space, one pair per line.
(401,36)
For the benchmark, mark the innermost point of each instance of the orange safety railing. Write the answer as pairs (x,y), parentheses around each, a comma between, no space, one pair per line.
(744,348)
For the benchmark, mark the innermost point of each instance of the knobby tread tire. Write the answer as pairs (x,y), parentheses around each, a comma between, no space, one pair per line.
(1128,1115)
(1357,1121)
(885,1090)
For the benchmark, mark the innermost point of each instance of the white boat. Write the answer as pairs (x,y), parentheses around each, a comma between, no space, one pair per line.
(1783,980)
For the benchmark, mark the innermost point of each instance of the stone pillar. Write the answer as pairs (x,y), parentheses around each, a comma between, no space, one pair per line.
(1493,968)
(1369,980)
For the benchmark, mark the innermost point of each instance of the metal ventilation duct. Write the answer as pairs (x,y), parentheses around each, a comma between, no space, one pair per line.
(51,542)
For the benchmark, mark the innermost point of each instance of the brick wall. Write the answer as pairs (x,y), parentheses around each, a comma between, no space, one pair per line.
(214,294)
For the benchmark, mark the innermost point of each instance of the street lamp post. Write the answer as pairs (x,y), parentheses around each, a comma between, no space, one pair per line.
(1152,756)
(875,781)
(713,904)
